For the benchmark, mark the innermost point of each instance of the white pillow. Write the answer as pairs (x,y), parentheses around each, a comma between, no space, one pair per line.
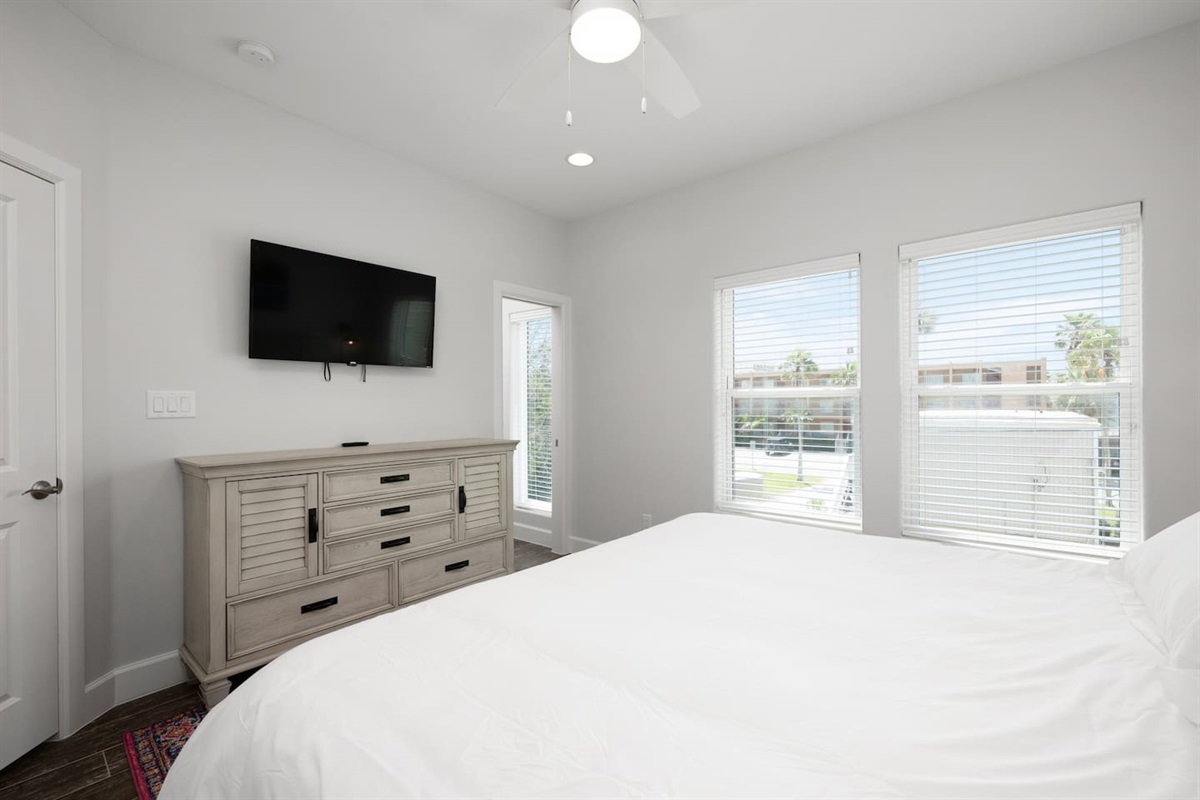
(1164,570)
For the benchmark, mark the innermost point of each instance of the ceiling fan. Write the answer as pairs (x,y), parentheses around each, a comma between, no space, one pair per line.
(606,32)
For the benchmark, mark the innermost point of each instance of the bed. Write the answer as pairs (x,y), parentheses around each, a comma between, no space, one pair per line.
(721,656)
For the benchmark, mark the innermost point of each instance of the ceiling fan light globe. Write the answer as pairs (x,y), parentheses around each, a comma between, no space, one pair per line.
(605,32)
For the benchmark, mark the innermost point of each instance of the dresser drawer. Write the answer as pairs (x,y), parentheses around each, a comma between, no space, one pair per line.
(356,518)
(389,479)
(345,553)
(432,573)
(265,621)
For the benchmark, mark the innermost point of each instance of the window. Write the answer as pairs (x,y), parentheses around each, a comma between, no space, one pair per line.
(531,354)
(788,392)
(1043,453)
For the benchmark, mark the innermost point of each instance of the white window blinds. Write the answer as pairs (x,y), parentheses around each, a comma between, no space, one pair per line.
(788,392)
(531,404)
(1021,382)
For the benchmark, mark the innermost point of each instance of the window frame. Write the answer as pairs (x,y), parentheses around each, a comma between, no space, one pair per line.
(1129,389)
(725,392)
(518,403)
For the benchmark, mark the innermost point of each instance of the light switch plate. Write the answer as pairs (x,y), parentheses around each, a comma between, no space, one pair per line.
(164,404)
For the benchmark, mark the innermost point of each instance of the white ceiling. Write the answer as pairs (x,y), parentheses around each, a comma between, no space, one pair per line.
(420,78)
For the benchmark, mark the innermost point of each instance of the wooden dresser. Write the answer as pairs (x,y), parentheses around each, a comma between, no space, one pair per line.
(280,547)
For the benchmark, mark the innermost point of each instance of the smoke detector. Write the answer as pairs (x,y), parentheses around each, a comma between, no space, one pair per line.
(255,53)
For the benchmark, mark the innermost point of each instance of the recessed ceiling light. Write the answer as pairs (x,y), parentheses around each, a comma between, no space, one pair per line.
(255,53)
(580,159)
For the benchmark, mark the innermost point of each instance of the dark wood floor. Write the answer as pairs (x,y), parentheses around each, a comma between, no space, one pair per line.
(526,555)
(91,765)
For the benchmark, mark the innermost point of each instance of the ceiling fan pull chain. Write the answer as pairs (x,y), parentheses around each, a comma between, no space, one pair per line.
(643,67)
(568,79)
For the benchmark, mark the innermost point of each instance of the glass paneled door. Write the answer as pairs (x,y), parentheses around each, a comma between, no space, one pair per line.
(531,360)
(532,343)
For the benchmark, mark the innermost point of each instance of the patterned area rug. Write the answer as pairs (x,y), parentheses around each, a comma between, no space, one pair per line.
(152,750)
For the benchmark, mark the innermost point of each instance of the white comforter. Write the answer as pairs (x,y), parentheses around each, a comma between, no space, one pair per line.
(718,656)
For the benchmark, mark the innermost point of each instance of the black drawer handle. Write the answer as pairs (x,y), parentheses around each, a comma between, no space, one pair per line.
(458,565)
(387,512)
(462,499)
(395,542)
(319,604)
(394,478)
(312,525)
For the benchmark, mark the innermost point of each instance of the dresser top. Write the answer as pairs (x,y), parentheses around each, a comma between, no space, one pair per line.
(373,452)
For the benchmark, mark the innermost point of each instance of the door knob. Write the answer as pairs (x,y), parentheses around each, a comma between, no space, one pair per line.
(42,489)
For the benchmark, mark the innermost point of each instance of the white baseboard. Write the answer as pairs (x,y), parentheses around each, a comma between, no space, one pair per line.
(528,533)
(579,543)
(131,681)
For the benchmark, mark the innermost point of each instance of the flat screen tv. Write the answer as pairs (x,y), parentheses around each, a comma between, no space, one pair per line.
(307,306)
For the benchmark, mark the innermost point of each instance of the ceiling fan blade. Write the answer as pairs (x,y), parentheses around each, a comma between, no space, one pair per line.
(655,9)
(537,75)
(665,81)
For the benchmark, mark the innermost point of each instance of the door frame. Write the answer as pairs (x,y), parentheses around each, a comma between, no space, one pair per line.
(560,392)
(68,357)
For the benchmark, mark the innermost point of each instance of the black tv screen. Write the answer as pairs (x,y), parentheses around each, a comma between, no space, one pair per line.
(307,306)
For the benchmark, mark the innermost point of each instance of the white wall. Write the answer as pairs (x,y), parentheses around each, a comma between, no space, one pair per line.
(194,172)
(1118,127)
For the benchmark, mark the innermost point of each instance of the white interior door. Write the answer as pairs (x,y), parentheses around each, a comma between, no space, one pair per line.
(28,525)
(532,414)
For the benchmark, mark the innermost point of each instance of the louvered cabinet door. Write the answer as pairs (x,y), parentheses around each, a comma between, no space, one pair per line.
(268,532)
(485,489)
